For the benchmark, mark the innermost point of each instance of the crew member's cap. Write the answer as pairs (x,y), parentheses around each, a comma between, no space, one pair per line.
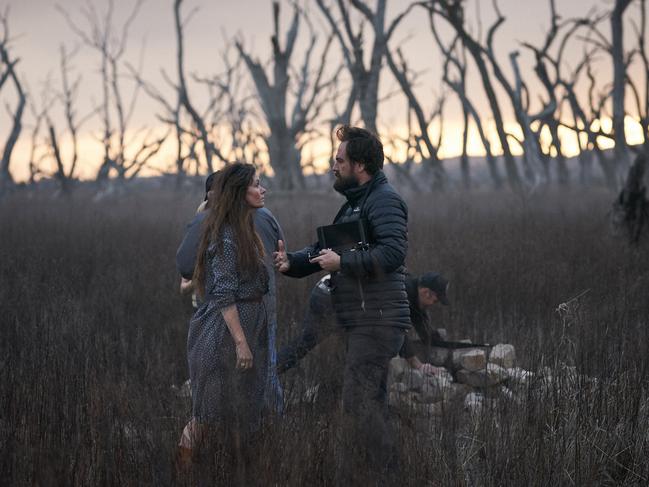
(436,283)
(208,184)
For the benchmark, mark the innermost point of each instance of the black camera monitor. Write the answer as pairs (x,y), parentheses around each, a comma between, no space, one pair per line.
(343,236)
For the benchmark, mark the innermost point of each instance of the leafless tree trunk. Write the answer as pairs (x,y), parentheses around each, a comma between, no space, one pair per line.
(584,120)
(8,72)
(285,132)
(232,122)
(619,83)
(99,34)
(531,148)
(430,158)
(36,156)
(642,99)
(67,97)
(365,79)
(183,95)
(458,85)
(453,13)
(551,105)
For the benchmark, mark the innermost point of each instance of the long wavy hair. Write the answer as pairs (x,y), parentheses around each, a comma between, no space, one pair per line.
(227,206)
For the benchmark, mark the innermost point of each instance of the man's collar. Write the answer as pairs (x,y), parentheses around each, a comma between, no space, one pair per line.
(353,194)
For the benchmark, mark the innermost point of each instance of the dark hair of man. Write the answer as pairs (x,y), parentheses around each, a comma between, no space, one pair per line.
(228,206)
(362,147)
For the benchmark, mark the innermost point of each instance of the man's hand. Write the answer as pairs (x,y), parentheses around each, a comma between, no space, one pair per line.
(186,285)
(280,257)
(328,260)
(428,369)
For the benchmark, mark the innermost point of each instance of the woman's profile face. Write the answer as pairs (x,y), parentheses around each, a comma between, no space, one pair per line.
(255,193)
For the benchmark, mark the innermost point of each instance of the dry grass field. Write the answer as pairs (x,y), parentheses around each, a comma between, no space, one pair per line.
(93,332)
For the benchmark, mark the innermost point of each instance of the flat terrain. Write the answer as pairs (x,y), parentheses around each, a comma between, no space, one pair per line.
(93,332)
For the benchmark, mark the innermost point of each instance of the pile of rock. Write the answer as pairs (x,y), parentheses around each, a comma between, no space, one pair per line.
(462,377)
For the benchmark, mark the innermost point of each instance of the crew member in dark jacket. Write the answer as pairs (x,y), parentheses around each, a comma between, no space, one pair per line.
(368,291)
(319,322)
(424,292)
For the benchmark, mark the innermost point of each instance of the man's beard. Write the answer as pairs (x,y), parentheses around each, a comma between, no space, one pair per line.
(342,184)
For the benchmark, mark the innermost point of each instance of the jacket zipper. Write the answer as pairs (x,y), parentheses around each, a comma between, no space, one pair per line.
(360,288)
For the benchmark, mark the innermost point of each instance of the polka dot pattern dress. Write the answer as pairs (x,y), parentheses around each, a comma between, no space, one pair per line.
(221,393)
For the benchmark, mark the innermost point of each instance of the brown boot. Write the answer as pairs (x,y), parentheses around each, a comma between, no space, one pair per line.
(184,459)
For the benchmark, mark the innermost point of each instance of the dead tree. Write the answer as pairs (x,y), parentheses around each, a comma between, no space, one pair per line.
(124,155)
(598,98)
(641,99)
(286,132)
(173,110)
(535,163)
(458,85)
(67,97)
(183,95)
(587,118)
(453,12)
(231,120)
(551,106)
(429,156)
(620,62)
(8,73)
(365,79)
(221,130)
(619,83)
(36,154)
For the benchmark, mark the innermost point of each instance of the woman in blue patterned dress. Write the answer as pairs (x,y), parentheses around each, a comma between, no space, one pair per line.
(227,345)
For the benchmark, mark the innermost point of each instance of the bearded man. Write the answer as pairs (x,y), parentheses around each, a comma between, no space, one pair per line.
(368,293)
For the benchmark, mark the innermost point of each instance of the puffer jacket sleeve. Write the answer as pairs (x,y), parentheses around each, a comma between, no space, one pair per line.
(299,260)
(387,216)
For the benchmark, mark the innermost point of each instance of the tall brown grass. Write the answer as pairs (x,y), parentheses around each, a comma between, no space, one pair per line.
(93,336)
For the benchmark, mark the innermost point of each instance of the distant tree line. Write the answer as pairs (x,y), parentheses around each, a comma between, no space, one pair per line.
(269,111)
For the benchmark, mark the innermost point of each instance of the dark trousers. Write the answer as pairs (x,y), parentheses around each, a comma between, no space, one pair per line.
(367,441)
(318,324)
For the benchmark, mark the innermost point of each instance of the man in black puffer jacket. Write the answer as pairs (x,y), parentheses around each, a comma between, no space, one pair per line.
(368,289)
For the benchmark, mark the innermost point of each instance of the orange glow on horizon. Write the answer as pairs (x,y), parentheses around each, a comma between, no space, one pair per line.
(318,150)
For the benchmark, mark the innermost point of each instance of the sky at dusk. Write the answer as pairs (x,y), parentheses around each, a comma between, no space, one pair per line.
(38,30)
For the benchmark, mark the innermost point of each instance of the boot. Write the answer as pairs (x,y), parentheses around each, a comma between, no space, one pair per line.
(184,459)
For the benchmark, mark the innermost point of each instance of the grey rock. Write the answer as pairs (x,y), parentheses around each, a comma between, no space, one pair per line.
(439,356)
(435,389)
(496,373)
(440,372)
(519,377)
(414,379)
(442,333)
(459,391)
(503,354)
(398,367)
(411,399)
(490,376)
(471,359)
(472,378)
